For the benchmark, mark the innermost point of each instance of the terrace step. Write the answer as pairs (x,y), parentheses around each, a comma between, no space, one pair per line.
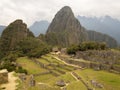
(80,79)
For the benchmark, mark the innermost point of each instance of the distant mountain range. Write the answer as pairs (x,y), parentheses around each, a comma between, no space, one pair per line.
(1,29)
(65,30)
(39,27)
(107,25)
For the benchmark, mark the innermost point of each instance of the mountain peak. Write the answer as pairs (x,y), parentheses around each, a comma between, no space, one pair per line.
(18,21)
(14,32)
(39,27)
(66,29)
(66,8)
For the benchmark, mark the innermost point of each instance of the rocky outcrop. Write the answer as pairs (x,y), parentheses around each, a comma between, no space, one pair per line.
(12,34)
(99,37)
(65,29)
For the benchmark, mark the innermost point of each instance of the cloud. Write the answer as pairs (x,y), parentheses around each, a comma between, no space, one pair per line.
(35,10)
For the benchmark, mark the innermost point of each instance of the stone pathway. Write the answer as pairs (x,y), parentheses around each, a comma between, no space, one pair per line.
(11,85)
(65,62)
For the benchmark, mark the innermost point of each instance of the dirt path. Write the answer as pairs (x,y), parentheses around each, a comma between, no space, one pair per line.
(74,77)
(44,84)
(65,62)
(12,82)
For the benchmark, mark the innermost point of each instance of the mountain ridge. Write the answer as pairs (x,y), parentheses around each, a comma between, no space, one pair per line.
(39,27)
(1,29)
(66,30)
(107,25)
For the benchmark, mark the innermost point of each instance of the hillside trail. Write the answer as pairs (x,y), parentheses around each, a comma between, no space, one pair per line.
(74,77)
(11,85)
(65,62)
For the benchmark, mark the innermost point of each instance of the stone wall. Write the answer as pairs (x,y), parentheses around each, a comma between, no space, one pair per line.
(103,60)
(3,76)
(90,64)
(116,68)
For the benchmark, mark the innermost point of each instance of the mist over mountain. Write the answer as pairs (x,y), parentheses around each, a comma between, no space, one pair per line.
(1,29)
(39,27)
(107,25)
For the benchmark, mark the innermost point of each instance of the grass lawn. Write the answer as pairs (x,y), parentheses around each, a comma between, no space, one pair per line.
(43,61)
(43,87)
(44,78)
(66,77)
(76,85)
(62,69)
(51,59)
(57,72)
(110,81)
(30,66)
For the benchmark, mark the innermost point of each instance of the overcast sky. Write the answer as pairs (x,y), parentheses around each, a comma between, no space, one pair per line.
(36,10)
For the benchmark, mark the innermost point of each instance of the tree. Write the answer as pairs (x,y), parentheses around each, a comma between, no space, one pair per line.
(72,49)
(33,47)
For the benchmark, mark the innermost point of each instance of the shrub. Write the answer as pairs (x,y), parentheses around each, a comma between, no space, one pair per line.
(91,45)
(21,70)
(72,49)
(8,65)
(33,47)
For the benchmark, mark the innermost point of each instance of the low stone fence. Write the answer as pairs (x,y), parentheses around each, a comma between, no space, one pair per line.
(116,68)
(93,65)
(43,73)
(3,76)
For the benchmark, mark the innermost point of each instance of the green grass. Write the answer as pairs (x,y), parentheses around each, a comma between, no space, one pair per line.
(43,61)
(44,78)
(50,67)
(30,66)
(76,85)
(20,85)
(66,77)
(51,59)
(71,68)
(110,81)
(43,87)
(55,71)
(62,69)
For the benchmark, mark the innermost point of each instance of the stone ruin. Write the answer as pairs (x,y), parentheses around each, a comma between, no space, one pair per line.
(28,79)
(96,84)
(3,76)
(32,81)
(22,76)
(61,83)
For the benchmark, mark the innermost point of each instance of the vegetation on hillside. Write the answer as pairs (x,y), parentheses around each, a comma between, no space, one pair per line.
(33,47)
(84,46)
(17,41)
